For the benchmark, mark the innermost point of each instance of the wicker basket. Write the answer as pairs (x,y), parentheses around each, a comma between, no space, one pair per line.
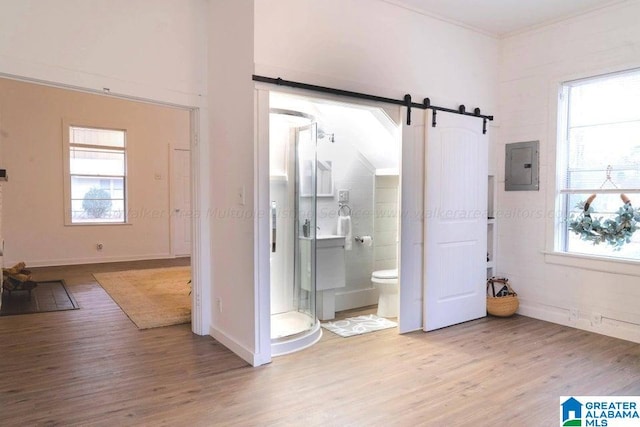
(501,306)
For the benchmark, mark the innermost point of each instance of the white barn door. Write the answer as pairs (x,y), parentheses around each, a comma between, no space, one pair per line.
(456,160)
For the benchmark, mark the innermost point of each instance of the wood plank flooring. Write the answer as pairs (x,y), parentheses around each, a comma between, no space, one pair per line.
(94,367)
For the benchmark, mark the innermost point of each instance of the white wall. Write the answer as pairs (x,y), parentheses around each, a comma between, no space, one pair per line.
(352,172)
(531,67)
(234,298)
(148,48)
(376,47)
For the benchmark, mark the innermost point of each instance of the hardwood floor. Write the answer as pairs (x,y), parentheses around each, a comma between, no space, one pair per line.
(94,367)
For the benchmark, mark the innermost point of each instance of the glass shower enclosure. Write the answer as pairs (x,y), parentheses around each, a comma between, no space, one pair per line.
(293,182)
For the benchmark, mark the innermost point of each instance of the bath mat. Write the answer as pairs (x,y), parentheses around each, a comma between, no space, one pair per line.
(359,325)
(50,295)
(153,297)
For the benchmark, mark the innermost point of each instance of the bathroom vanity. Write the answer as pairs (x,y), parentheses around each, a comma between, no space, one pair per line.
(330,272)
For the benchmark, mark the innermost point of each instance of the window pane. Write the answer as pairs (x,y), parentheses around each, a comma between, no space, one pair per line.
(97,210)
(89,161)
(594,146)
(628,251)
(90,136)
(605,100)
(80,186)
(97,199)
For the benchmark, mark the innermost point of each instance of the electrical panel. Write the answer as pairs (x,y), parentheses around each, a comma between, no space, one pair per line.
(522,166)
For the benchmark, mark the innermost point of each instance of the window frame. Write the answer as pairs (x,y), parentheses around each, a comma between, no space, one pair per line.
(67,145)
(560,253)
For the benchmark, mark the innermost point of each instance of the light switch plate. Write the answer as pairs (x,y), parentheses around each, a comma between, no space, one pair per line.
(240,196)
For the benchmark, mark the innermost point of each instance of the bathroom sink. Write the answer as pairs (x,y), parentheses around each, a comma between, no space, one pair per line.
(327,240)
(324,237)
(328,236)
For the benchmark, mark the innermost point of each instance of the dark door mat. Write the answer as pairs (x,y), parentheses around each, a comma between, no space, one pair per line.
(50,295)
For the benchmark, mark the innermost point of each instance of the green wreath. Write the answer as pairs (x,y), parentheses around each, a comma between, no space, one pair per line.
(612,231)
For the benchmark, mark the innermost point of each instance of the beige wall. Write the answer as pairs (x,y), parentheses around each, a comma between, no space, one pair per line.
(31,149)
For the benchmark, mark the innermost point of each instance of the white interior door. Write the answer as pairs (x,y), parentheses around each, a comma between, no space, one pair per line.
(181,202)
(455,221)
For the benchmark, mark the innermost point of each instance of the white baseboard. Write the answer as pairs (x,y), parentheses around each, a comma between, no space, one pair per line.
(346,300)
(80,261)
(244,353)
(607,325)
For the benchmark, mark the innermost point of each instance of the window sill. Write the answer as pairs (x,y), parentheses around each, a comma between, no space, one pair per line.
(593,262)
(95,224)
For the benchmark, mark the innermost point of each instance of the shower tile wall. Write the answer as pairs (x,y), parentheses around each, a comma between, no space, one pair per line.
(386,222)
(353,172)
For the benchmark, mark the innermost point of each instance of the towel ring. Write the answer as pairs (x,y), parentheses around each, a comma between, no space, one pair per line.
(340,210)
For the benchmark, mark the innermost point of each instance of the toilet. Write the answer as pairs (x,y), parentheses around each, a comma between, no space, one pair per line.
(387,283)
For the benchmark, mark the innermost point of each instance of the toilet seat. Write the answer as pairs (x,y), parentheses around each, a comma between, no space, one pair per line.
(385,274)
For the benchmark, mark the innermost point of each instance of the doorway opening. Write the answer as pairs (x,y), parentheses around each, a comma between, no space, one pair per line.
(334,194)
(136,190)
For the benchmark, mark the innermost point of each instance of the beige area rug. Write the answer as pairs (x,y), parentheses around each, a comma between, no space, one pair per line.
(153,297)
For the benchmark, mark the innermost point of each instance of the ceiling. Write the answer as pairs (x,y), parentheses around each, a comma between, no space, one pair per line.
(367,130)
(503,17)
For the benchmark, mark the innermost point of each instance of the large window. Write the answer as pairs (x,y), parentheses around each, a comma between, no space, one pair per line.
(599,153)
(96,175)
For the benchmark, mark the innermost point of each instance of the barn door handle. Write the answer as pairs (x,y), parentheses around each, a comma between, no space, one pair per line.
(273,226)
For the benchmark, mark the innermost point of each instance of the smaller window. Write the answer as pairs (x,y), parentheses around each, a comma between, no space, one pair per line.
(96,175)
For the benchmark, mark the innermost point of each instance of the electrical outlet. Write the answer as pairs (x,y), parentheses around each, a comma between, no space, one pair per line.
(573,315)
(343,196)
(99,246)
(219,304)
(596,319)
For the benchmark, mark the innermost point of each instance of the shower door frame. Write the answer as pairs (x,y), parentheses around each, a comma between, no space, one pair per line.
(311,199)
